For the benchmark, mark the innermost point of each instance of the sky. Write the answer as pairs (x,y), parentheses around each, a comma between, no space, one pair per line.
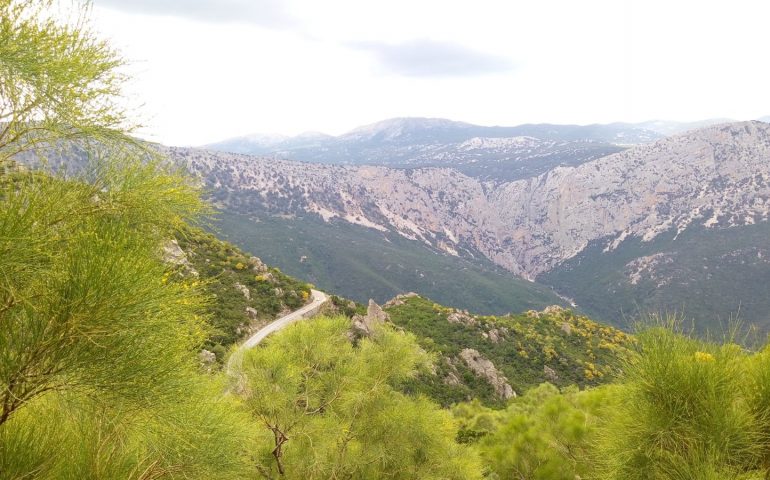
(207,70)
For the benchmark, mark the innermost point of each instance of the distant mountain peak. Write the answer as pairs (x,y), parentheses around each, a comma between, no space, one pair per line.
(265,139)
(396,127)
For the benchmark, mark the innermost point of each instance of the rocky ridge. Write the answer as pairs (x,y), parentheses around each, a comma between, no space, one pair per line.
(716,177)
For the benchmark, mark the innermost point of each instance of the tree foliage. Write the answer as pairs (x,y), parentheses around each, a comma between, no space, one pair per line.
(691,409)
(545,434)
(98,377)
(328,408)
(58,81)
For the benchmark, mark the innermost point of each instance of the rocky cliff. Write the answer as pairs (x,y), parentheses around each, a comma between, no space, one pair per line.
(716,177)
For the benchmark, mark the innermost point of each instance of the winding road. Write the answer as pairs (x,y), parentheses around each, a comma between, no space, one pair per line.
(317,297)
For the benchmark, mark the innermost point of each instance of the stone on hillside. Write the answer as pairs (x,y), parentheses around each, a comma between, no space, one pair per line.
(174,255)
(566,328)
(494,335)
(269,277)
(459,316)
(207,360)
(451,379)
(399,299)
(244,290)
(553,310)
(256,265)
(364,324)
(484,368)
(252,313)
(550,374)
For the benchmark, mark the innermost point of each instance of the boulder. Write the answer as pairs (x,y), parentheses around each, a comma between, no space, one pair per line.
(553,310)
(451,379)
(459,316)
(173,254)
(484,368)
(550,374)
(244,290)
(494,335)
(256,265)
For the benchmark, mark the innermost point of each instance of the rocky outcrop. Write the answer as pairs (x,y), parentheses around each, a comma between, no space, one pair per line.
(482,367)
(463,317)
(399,299)
(364,325)
(550,374)
(173,254)
(244,290)
(257,266)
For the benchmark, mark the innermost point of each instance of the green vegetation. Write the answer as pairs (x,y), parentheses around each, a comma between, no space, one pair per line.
(328,408)
(683,409)
(224,272)
(545,434)
(58,81)
(709,276)
(690,409)
(361,263)
(98,377)
(99,338)
(531,348)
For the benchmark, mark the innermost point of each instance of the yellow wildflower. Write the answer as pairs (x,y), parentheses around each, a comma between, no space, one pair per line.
(703,357)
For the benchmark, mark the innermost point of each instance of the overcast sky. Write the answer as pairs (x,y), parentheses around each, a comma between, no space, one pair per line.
(205,70)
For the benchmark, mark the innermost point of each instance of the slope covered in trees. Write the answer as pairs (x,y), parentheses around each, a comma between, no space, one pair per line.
(554,345)
(242,292)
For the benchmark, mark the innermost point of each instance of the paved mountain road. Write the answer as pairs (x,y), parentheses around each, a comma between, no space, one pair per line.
(318,298)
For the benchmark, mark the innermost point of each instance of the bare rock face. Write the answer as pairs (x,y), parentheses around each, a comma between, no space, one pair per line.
(718,176)
(364,324)
(482,367)
(244,290)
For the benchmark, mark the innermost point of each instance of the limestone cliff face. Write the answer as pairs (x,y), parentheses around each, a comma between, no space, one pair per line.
(717,176)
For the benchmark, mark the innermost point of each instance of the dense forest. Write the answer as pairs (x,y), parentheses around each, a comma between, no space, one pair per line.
(110,292)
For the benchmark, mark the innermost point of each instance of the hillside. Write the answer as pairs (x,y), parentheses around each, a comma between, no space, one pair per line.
(243,293)
(495,358)
(361,263)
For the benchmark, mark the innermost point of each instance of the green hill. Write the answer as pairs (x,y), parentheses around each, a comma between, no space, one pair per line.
(555,345)
(361,263)
(243,292)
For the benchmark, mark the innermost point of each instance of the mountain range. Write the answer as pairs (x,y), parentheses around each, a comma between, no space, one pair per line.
(608,233)
(674,225)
